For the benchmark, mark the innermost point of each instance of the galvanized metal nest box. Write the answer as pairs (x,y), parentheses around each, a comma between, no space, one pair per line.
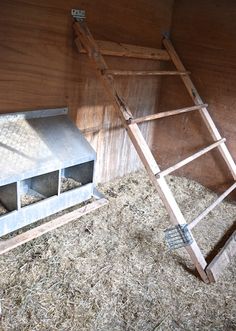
(46,165)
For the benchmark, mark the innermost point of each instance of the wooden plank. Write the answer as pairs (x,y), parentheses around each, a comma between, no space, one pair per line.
(212,206)
(203,111)
(166,114)
(126,50)
(140,144)
(190,158)
(9,244)
(146,73)
(222,259)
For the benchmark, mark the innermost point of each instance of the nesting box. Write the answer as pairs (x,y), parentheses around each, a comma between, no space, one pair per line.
(46,165)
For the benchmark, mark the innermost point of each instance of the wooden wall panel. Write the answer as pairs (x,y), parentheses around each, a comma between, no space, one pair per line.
(40,67)
(204,34)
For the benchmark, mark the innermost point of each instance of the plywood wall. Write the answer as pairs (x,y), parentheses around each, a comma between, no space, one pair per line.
(40,67)
(204,34)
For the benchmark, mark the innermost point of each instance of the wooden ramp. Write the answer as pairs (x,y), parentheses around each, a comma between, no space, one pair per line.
(180,234)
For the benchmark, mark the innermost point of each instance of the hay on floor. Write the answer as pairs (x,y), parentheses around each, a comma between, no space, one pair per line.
(111,270)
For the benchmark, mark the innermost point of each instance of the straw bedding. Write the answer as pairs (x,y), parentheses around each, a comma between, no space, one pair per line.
(111,270)
(69,184)
(29,198)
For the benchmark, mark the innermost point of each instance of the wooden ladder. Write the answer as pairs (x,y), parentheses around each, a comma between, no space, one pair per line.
(95,50)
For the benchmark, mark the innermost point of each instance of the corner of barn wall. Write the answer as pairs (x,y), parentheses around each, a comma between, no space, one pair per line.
(202,34)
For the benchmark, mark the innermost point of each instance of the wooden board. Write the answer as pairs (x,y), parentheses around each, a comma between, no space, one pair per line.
(222,259)
(18,240)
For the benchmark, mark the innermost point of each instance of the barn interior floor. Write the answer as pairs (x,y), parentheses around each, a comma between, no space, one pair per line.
(112,271)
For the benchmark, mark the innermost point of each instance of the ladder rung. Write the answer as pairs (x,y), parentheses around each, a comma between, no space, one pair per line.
(133,51)
(211,207)
(145,73)
(197,100)
(167,113)
(190,158)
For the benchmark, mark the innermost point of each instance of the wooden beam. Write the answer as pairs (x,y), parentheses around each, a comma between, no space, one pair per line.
(126,50)
(146,73)
(212,206)
(198,101)
(222,259)
(189,159)
(166,114)
(9,244)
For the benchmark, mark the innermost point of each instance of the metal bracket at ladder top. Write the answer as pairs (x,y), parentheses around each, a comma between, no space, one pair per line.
(78,15)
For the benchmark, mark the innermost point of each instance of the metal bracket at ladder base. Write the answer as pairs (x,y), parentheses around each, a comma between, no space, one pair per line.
(178,236)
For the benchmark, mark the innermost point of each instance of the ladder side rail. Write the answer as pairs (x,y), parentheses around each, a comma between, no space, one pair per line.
(203,111)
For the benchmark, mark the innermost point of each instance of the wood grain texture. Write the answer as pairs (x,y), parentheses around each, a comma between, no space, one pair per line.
(203,33)
(126,50)
(167,114)
(40,68)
